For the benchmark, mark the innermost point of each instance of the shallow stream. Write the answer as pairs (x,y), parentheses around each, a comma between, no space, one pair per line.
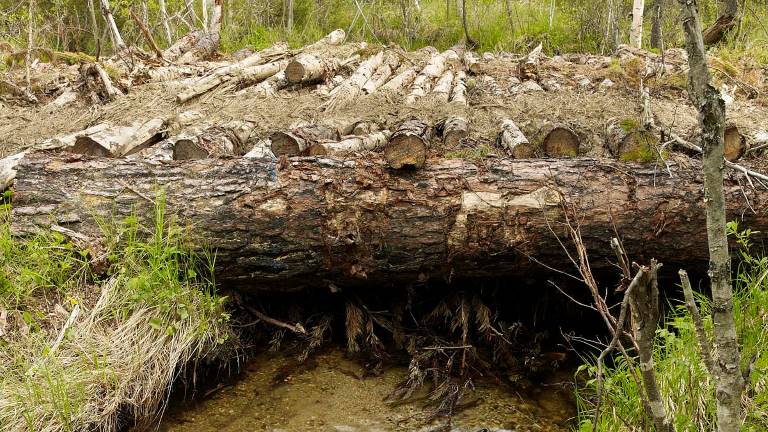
(330,392)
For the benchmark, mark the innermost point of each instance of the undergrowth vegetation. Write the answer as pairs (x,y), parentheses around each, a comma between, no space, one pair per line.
(515,26)
(87,351)
(687,387)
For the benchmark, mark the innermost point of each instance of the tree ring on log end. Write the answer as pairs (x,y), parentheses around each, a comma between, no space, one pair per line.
(561,142)
(187,149)
(285,143)
(406,150)
(735,143)
(87,146)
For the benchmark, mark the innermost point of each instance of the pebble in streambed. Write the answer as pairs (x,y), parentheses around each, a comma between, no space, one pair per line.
(275,393)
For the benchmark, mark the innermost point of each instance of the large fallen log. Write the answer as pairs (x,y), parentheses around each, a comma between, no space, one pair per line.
(308,221)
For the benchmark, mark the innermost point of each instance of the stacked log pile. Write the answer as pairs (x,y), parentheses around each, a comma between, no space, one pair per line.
(340,197)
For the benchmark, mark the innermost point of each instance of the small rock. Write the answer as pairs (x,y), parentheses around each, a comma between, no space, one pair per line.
(582,81)
(488,56)
(606,84)
(514,81)
(551,85)
(527,87)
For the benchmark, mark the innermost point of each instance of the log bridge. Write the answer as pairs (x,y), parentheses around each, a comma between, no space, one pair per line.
(312,221)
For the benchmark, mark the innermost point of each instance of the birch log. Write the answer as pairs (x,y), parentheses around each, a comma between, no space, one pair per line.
(349,89)
(351,144)
(459,92)
(229,139)
(453,130)
(300,139)
(382,73)
(114,32)
(513,141)
(118,141)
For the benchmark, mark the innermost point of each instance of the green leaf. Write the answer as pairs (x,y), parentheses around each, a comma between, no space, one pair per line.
(156,323)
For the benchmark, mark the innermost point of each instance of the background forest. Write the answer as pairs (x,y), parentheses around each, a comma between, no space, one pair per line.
(496,25)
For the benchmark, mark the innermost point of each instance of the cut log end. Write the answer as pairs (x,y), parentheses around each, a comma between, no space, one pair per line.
(407,148)
(87,146)
(735,144)
(406,151)
(561,142)
(285,143)
(187,149)
(295,72)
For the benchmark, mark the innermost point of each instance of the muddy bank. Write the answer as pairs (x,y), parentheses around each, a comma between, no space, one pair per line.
(331,392)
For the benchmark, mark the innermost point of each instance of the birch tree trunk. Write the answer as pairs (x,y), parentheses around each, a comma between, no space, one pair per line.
(114,32)
(164,20)
(636,32)
(205,13)
(94,26)
(190,8)
(218,16)
(730,383)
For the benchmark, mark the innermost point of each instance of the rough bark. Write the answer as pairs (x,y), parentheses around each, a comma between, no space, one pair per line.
(645,319)
(730,383)
(528,68)
(727,20)
(351,144)
(310,220)
(560,141)
(657,38)
(513,141)
(298,140)
(407,148)
(230,139)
